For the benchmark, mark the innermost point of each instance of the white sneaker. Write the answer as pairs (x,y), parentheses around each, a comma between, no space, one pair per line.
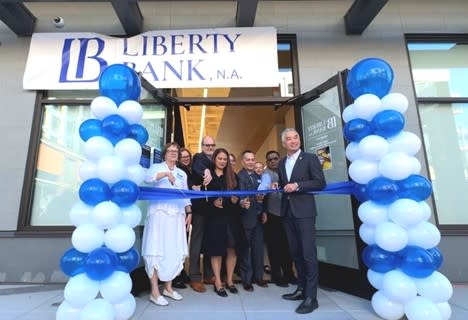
(160,301)
(173,295)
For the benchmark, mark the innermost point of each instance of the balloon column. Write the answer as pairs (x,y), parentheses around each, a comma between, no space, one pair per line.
(402,254)
(103,255)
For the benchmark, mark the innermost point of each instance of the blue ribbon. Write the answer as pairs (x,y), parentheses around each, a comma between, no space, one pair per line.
(149,193)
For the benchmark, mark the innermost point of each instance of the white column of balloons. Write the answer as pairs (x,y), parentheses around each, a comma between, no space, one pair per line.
(102,256)
(402,254)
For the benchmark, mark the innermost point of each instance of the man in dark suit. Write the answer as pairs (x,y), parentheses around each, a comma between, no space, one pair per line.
(299,172)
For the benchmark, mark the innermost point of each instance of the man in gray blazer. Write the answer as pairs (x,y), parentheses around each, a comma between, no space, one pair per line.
(299,172)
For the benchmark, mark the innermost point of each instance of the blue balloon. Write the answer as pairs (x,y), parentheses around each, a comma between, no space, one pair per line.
(416,262)
(73,262)
(119,83)
(128,260)
(101,263)
(357,129)
(124,193)
(388,123)
(138,133)
(437,257)
(115,128)
(371,75)
(94,191)
(380,260)
(415,187)
(382,190)
(90,128)
(360,192)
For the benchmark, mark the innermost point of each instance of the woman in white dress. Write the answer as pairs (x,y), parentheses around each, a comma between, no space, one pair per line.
(164,244)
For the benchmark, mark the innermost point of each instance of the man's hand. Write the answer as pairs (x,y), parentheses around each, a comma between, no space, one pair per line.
(264,218)
(207,177)
(245,203)
(291,187)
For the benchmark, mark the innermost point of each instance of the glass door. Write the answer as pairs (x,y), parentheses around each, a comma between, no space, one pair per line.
(318,119)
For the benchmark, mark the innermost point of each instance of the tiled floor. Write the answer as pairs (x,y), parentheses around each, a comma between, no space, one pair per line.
(29,302)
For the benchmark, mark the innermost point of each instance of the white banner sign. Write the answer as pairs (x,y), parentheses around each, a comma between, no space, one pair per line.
(228,57)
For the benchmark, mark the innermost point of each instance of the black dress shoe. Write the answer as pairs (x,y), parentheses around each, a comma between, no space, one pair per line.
(221,292)
(307,306)
(296,295)
(232,289)
(178,283)
(262,283)
(248,287)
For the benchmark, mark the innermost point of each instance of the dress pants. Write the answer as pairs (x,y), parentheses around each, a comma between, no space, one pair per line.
(196,241)
(251,264)
(303,249)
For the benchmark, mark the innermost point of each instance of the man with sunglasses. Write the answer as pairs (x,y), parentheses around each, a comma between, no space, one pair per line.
(201,177)
(275,236)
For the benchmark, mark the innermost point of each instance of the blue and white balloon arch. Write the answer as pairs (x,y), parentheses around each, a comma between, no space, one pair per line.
(402,254)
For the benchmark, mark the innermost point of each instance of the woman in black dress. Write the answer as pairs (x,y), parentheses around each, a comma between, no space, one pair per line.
(223,231)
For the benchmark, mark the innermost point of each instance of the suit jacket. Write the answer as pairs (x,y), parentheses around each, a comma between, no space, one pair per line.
(249,182)
(308,174)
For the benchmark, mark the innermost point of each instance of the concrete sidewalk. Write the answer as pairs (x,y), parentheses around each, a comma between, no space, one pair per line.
(34,302)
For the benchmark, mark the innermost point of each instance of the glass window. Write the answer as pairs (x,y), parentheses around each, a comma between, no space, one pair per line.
(60,154)
(447,155)
(439,69)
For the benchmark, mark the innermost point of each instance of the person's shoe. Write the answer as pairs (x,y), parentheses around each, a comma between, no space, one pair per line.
(197,286)
(282,283)
(178,283)
(307,306)
(220,292)
(248,287)
(210,280)
(174,295)
(294,296)
(160,301)
(232,289)
(262,283)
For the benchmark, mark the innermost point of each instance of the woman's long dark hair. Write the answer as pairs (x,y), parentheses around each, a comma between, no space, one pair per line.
(228,172)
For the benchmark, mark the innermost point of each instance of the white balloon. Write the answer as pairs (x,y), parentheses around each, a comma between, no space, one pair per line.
(436,287)
(131,111)
(98,309)
(375,278)
(424,235)
(416,165)
(352,151)
(131,215)
(366,106)
(111,169)
(88,170)
(80,213)
(367,233)
(421,308)
(125,308)
(106,215)
(426,210)
(390,236)
(386,308)
(67,312)
(116,287)
(120,238)
(80,290)
(97,147)
(362,171)
(372,213)
(445,310)
(348,113)
(406,142)
(373,148)
(396,166)
(102,107)
(395,101)
(398,287)
(406,212)
(87,237)
(129,150)
(135,173)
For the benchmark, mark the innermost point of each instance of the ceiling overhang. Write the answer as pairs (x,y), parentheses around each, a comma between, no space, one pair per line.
(21,20)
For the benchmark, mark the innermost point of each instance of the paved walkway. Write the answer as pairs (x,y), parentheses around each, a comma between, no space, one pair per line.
(34,302)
